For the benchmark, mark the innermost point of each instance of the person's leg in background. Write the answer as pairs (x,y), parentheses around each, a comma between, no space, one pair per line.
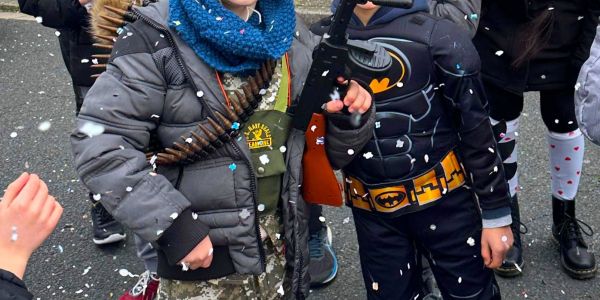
(505,109)
(323,264)
(147,286)
(566,147)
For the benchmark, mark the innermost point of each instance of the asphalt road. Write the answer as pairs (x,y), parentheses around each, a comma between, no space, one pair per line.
(34,87)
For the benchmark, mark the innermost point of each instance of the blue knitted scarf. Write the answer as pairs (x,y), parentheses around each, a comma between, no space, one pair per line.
(227,43)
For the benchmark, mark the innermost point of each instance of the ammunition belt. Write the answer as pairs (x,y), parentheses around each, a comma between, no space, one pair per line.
(409,195)
(199,144)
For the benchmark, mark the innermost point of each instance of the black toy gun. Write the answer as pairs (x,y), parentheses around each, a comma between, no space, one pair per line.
(334,57)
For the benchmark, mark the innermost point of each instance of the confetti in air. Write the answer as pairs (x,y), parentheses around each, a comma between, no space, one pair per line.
(261,207)
(85,61)
(86,270)
(491,150)
(335,95)
(325,73)
(39,19)
(432,227)
(499,53)
(459,279)
(13,134)
(232,167)
(97,197)
(346,220)
(128,189)
(320,140)
(426,158)
(177,23)
(174,215)
(577,86)
(57,33)
(200,94)
(91,129)
(282,149)
(471,241)
(189,140)
(235,126)
(159,232)
(377,124)
(400,84)
(579,18)
(313,128)
(194,216)
(350,152)
(375,286)
(322,219)
(368,155)
(185,266)
(280,290)
(399,144)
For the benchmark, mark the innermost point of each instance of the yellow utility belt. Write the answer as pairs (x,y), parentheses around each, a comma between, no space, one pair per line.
(408,195)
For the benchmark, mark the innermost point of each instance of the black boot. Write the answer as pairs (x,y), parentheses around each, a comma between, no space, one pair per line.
(513,262)
(575,258)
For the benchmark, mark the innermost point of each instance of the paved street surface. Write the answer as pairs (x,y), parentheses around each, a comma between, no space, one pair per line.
(34,87)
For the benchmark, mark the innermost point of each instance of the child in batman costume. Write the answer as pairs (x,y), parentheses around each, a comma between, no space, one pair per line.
(220,199)
(430,179)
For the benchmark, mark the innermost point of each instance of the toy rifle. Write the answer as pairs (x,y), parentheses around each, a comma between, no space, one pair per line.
(335,56)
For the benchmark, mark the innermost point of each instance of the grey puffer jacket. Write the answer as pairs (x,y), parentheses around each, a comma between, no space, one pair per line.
(144,90)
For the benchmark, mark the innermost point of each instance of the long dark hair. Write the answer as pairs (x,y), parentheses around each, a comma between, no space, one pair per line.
(533,37)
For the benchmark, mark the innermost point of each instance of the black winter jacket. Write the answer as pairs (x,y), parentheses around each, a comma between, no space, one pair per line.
(12,288)
(557,65)
(71,19)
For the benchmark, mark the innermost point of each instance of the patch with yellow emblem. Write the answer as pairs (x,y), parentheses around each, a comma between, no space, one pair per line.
(258,136)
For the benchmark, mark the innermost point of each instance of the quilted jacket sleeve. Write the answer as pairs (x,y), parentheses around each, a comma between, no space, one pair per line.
(56,13)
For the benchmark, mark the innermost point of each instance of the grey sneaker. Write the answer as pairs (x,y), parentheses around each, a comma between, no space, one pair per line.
(323,264)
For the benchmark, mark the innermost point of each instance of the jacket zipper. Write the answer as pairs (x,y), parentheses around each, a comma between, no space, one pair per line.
(183,68)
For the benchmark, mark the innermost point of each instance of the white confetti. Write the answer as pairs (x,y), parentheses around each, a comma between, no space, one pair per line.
(408,265)
(320,140)
(551,8)
(577,86)
(313,128)
(244,214)
(85,61)
(400,84)
(543,76)
(399,144)
(185,266)
(346,220)
(432,227)
(262,92)
(86,270)
(282,149)
(57,33)
(261,207)
(563,292)
(377,124)
(471,241)
(159,232)
(471,91)
(125,272)
(91,129)
(174,216)
(264,159)
(326,36)
(200,94)
(280,290)
(517,266)
(13,134)
(504,239)
(15,235)
(426,158)
(95,61)
(194,216)
(459,279)
(128,189)
(44,126)
(189,140)
(322,219)
(97,197)
(491,150)
(570,122)
(368,155)
(375,286)
(325,73)
(556,121)
(350,152)
(499,53)
(579,18)
(78,291)
(39,19)
(219,18)
(60,249)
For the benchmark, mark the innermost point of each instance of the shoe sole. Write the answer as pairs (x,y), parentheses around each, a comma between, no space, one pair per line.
(509,273)
(575,274)
(113,238)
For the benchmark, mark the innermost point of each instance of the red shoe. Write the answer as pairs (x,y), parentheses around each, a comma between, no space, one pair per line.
(145,289)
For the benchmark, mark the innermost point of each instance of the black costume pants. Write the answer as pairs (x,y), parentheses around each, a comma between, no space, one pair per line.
(448,234)
(554,105)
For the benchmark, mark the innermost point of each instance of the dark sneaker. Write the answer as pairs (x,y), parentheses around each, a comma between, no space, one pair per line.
(106,229)
(145,289)
(323,264)
(513,263)
(575,257)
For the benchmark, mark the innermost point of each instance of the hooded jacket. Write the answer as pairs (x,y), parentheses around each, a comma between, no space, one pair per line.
(430,102)
(13,288)
(144,90)
(573,27)
(71,20)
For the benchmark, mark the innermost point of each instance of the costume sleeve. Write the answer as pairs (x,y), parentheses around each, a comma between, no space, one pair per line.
(13,288)
(56,13)
(588,32)
(113,129)
(343,142)
(458,68)
(464,13)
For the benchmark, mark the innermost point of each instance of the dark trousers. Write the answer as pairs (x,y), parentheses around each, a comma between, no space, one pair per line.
(448,234)
(554,105)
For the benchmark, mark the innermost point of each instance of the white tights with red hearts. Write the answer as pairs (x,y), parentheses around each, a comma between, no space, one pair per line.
(566,161)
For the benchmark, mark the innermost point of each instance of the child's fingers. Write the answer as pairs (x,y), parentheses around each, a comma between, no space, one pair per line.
(485,253)
(14,188)
(29,191)
(37,203)
(334,106)
(47,208)
(497,256)
(55,216)
(358,103)
(351,94)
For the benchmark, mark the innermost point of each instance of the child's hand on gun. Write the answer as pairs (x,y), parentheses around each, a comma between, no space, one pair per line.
(495,242)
